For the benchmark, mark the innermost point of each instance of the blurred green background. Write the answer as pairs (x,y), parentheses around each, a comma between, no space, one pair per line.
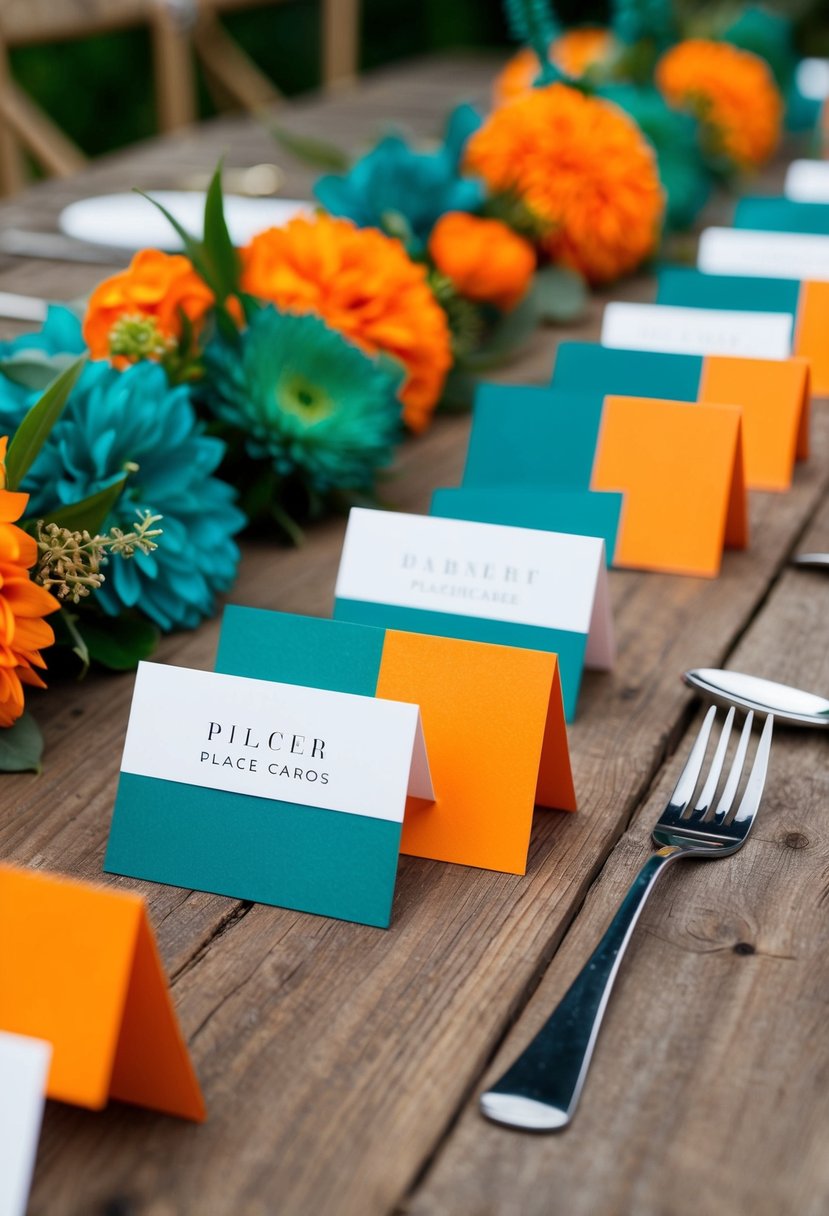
(102,94)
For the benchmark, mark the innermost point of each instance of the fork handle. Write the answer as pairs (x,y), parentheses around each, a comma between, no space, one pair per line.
(542,1088)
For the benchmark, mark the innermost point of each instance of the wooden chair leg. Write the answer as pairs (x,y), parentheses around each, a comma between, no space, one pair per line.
(340,42)
(231,69)
(175,81)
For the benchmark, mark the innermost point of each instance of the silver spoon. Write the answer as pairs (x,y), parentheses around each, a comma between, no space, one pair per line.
(790,705)
(814,561)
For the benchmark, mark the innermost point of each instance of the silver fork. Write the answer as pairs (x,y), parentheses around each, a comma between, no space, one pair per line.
(541,1090)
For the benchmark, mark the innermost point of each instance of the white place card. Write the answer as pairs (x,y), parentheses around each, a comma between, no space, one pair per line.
(284,742)
(697,331)
(24,1067)
(812,78)
(770,255)
(807,181)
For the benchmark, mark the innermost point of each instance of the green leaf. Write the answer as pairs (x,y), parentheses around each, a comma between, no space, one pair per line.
(120,642)
(218,247)
(193,247)
(510,333)
(90,513)
(458,392)
(68,634)
(315,152)
(34,369)
(38,422)
(21,746)
(559,294)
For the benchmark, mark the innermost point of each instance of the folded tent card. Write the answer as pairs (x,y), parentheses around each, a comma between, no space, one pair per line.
(807,181)
(481,582)
(678,466)
(760,290)
(772,395)
(266,791)
(24,1065)
(79,969)
(776,214)
(492,718)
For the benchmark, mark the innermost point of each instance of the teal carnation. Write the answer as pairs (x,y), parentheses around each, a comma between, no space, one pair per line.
(307,400)
(133,420)
(394,187)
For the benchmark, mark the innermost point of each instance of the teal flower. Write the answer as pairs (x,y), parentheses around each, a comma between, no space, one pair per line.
(395,187)
(134,420)
(307,400)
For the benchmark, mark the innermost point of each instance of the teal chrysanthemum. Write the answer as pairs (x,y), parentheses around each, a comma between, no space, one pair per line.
(307,400)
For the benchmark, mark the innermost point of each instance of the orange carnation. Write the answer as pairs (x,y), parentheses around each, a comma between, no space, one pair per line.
(23,604)
(363,284)
(731,91)
(573,52)
(485,259)
(156,286)
(585,168)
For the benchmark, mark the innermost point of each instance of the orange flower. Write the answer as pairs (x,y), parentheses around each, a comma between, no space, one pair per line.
(731,91)
(583,166)
(363,284)
(485,259)
(573,52)
(23,604)
(156,287)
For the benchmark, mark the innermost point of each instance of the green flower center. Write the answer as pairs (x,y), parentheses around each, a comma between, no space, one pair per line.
(297,395)
(138,337)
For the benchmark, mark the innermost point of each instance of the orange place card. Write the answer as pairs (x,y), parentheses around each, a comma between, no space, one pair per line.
(680,467)
(79,969)
(492,719)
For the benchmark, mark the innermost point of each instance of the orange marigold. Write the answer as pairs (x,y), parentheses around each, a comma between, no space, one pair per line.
(363,284)
(731,91)
(156,286)
(23,604)
(485,259)
(573,52)
(583,166)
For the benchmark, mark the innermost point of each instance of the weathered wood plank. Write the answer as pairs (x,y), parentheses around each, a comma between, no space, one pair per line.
(708,1091)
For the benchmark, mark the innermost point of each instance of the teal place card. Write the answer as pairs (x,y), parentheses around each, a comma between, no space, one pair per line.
(582,512)
(776,214)
(590,367)
(745,293)
(272,792)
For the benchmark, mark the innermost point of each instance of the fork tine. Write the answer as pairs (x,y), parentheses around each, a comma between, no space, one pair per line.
(684,790)
(706,798)
(730,791)
(757,777)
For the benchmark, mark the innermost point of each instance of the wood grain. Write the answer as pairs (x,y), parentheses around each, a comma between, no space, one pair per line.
(336,1058)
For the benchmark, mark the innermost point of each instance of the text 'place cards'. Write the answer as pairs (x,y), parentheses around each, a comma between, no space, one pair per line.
(264,791)
(807,302)
(697,331)
(24,1065)
(483,582)
(773,396)
(471,695)
(79,968)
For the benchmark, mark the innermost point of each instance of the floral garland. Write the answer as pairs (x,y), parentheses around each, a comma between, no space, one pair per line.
(218,388)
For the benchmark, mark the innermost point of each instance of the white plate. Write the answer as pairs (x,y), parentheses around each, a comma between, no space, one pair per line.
(129,221)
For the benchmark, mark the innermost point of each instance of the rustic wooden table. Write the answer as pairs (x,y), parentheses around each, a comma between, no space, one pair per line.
(341,1064)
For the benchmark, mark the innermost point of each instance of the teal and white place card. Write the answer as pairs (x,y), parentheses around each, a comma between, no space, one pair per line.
(807,181)
(512,586)
(678,330)
(275,793)
(771,255)
(24,1067)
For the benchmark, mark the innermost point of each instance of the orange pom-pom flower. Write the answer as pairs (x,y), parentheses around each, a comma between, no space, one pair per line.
(363,284)
(573,52)
(584,168)
(731,91)
(23,605)
(485,260)
(138,313)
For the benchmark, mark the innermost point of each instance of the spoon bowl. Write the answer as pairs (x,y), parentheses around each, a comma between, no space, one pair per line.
(787,704)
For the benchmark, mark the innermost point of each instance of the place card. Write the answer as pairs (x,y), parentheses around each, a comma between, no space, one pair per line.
(807,181)
(487,774)
(680,468)
(807,302)
(768,255)
(79,969)
(483,582)
(582,512)
(696,331)
(812,78)
(24,1064)
(774,396)
(776,214)
(266,791)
